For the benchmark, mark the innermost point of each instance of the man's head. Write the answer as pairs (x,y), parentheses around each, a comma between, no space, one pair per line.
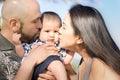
(21,16)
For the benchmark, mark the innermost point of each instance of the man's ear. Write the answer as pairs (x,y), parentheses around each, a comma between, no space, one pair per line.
(14,24)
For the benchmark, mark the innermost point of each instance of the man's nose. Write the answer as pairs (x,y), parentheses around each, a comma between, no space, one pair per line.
(40,24)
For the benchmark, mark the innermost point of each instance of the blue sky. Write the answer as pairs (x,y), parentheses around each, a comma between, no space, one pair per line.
(110,10)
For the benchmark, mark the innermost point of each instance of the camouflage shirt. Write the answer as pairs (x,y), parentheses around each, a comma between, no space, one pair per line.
(9,61)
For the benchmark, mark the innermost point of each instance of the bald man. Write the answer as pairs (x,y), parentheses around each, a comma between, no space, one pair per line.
(21,17)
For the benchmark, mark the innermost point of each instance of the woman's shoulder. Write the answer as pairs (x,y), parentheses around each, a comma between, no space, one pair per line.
(102,71)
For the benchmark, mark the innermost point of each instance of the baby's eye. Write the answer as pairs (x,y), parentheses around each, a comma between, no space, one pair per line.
(56,31)
(47,31)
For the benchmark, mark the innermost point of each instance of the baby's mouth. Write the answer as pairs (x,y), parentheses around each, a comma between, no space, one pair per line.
(51,40)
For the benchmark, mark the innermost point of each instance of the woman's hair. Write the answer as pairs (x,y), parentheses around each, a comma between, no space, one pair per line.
(50,16)
(88,23)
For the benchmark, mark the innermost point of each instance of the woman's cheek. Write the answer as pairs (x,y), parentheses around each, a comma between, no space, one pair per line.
(62,44)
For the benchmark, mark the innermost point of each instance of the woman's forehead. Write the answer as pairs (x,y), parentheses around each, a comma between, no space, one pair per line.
(67,19)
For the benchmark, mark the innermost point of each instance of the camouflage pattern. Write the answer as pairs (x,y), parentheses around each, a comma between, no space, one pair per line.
(9,61)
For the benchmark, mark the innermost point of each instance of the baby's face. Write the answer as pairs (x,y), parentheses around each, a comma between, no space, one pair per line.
(50,30)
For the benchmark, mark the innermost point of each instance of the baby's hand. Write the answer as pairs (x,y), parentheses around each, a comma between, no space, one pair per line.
(68,57)
(16,38)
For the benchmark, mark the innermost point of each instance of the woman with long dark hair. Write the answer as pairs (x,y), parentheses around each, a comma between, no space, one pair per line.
(84,31)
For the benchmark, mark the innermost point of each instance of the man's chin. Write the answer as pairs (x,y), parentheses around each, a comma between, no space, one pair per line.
(33,39)
(22,39)
(27,40)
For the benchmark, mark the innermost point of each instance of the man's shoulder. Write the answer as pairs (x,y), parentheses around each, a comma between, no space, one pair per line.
(9,64)
(5,44)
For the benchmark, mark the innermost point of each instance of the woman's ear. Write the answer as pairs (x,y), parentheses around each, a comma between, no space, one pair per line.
(80,40)
(14,24)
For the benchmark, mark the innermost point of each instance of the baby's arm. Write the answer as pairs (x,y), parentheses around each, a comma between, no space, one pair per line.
(19,50)
(58,70)
(18,45)
(67,56)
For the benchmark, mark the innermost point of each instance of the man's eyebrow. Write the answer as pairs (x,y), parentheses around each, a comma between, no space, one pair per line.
(36,18)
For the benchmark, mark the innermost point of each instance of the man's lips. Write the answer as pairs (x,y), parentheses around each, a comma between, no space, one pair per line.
(38,33)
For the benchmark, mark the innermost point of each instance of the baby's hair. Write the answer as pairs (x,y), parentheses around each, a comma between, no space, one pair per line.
(50,15)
